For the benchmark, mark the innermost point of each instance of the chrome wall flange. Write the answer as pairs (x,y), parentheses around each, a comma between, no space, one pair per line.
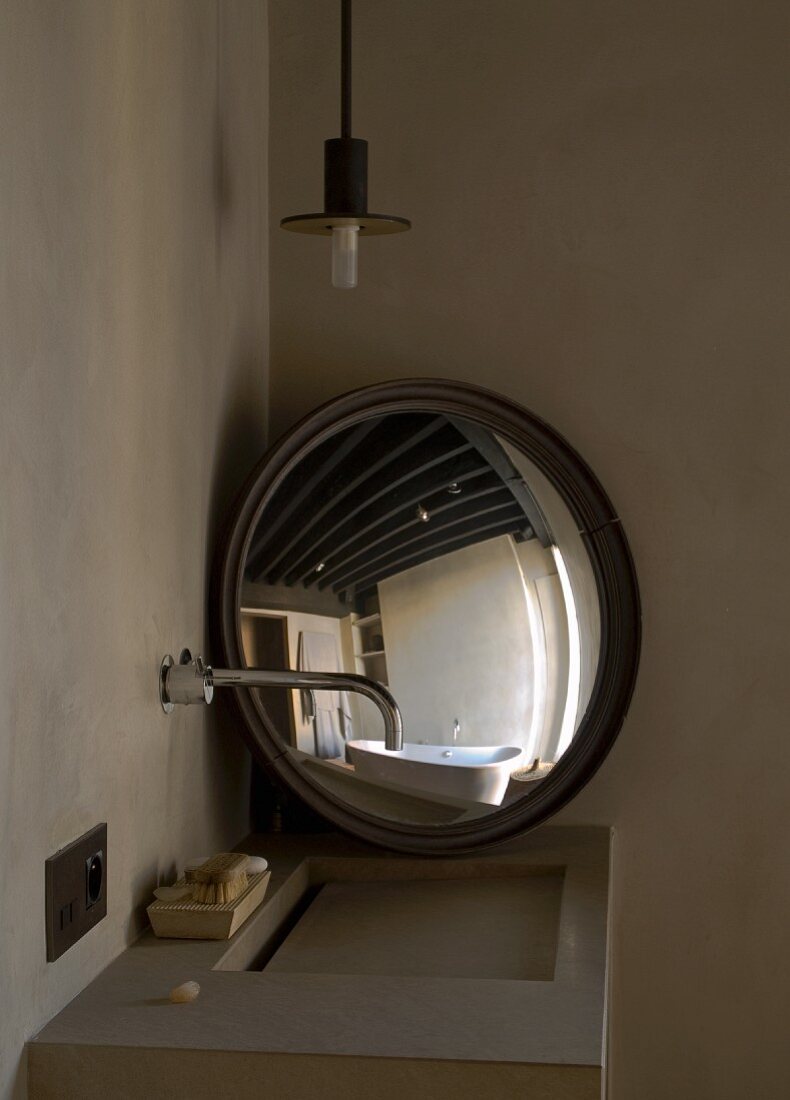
(188,682)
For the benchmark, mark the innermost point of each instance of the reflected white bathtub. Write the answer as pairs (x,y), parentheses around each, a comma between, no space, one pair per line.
(475,774)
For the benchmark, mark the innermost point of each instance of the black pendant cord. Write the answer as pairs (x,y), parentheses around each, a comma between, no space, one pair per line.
(345,68)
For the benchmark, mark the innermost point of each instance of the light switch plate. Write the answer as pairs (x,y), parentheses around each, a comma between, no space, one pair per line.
(75,890)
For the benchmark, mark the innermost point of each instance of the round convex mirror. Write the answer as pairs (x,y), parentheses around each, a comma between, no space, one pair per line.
(438,539)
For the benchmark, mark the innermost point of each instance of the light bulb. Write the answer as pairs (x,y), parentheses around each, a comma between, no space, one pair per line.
(344,256)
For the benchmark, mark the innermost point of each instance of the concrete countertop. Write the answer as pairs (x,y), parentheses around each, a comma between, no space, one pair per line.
(524,1027)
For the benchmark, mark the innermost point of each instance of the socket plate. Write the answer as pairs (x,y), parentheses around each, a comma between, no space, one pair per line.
(70,913)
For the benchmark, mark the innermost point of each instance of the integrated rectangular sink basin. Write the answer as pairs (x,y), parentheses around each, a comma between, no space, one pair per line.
(482,928)
(363,973)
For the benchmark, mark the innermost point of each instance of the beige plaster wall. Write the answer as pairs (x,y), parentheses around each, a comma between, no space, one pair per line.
(458,646)
(599,194)
(133,372)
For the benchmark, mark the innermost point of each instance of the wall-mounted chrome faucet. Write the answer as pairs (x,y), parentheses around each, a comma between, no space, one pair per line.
(192,681)
(456,731)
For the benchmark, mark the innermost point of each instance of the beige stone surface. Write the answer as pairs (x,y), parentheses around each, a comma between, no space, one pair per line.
(599,194)
(125,1074)
(468,928)
(133,371)
(363,1013)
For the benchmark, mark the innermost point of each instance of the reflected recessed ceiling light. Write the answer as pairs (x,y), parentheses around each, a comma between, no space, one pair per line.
(422,513)
(320,567)
(454,488)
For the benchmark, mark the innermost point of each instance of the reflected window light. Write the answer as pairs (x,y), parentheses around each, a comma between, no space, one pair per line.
(574,655)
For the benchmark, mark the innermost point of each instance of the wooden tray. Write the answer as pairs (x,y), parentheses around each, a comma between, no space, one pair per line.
(189,920)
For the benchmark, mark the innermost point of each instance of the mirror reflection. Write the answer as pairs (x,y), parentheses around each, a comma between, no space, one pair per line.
(426,553)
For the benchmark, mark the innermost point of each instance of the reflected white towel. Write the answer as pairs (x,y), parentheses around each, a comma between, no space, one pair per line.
(318,653)
(329,744)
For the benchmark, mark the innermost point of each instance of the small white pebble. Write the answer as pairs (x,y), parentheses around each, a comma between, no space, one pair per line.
(256,865)
(184,993)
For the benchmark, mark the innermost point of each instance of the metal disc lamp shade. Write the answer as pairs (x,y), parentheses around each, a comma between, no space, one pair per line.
(345,216)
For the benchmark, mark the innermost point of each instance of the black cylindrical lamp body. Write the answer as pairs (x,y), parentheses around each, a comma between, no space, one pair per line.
(346,176)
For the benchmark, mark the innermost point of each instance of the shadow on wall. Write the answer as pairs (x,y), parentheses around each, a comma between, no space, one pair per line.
(19,1084)
(241,441)
(144,882)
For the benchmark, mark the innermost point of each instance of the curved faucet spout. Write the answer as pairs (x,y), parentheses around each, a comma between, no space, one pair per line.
(193,682)
(318,681)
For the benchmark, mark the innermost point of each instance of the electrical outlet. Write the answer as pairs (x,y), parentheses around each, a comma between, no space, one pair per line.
(75,890)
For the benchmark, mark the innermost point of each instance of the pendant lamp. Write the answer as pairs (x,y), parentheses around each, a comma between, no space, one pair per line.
(345,217)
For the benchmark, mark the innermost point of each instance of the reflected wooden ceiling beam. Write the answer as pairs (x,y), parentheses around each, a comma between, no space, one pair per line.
(381,515)
(323,466)
(391,445)
(492,451)
(482,534)
(458,519)
(326,535)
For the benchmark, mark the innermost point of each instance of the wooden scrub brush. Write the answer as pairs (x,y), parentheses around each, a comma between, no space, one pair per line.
(220,879)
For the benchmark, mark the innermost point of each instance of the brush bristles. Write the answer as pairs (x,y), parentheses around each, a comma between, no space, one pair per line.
(220,893)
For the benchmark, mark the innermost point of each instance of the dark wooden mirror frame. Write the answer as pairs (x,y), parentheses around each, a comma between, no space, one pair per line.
(610,558)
